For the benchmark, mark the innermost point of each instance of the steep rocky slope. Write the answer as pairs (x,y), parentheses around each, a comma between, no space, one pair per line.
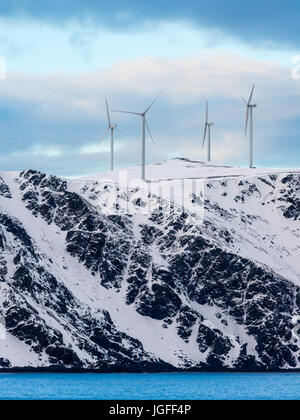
(87,286)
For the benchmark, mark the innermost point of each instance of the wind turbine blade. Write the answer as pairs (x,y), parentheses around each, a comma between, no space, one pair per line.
(127,112)
(152,103)
(251,95)
(150,132)
(247,120)
(105,134)
(244,100)
(205,132)
(108,116)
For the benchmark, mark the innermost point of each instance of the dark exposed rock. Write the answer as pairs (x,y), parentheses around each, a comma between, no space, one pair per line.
(186,321)
(290,196)
(63,356)
(158,303)
(4,189)
(15,228)
(213,340)
(4,363)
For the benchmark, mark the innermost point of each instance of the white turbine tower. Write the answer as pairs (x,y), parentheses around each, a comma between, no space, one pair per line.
(249,116)
(144,126)
(208,125)
(110,128)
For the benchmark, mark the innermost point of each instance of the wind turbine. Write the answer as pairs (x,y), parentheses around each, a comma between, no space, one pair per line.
(110,128)
(249,115)
(144,126)
(208,125)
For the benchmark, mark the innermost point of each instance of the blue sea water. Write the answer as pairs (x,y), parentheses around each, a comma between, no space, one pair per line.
(168,386)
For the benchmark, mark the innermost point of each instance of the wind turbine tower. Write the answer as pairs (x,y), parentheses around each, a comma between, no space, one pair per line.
(249,121)
(207,134)
(110,128)
(144,127)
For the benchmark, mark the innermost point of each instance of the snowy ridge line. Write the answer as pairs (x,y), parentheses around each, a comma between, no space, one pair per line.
(221,177)
(92,181)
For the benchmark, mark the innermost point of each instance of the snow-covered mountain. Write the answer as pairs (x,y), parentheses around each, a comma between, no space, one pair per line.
(85,284)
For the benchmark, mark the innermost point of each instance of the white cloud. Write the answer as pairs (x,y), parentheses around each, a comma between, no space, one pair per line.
(102,146)
(48,151)
(42,150)
(233,146)
(183,81)
(90,149)
(226,146)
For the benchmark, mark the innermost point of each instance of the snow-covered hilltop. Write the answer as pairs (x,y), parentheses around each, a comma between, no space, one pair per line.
(186,169)
(84,285)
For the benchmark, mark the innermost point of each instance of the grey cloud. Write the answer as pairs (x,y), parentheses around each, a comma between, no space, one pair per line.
(268,21)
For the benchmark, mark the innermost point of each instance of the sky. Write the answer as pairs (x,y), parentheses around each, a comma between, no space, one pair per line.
(61,59)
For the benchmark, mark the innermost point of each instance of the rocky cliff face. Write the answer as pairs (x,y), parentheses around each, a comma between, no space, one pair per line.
(83,289)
